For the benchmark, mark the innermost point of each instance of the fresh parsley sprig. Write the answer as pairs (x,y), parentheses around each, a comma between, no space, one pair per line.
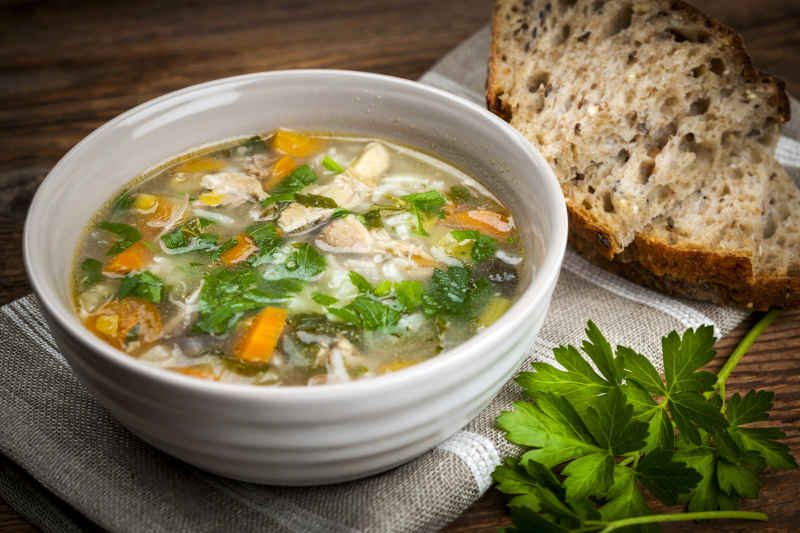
(616,429)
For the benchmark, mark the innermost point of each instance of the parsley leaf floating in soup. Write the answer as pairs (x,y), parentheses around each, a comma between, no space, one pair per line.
(289,258)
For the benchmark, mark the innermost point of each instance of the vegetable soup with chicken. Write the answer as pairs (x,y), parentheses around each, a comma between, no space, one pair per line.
(296,258)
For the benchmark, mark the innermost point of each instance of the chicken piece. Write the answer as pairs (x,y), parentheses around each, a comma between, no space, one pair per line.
(402,249)
(405,259)
(233,188)
(348,189)
(259,166)
(343,355)
(345,235)
(371,164)
(345,190)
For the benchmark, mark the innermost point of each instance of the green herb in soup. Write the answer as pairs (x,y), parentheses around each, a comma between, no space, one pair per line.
(297,259)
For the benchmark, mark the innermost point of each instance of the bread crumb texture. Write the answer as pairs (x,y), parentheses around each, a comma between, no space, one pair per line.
(662,134)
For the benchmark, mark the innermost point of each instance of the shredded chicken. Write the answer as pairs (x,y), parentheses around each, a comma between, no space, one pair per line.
(260,166)
(187,308)
(348,189)
(400,258)
(233,188)
(371,164)
(345,235)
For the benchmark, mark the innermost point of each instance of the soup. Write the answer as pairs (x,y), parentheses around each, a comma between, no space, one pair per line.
(296,258)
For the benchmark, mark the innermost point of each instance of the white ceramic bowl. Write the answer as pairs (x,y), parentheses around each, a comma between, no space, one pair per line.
(298,435)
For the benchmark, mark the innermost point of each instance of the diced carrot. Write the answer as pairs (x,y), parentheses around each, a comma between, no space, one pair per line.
(282,168)
(204,371)
(489,222)
(115,321)
(131,259)
(294,144)
(261,337)
(245,247)
(201,164)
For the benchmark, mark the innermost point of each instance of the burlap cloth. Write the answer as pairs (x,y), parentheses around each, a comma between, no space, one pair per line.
(69,466)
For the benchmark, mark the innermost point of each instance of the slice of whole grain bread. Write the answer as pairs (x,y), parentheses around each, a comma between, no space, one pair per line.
(660,130)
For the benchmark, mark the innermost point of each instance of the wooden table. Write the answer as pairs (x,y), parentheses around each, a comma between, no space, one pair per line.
(66,70)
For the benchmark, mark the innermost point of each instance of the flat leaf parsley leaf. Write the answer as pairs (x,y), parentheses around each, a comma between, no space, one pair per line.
(615,429)
(143,284)
(284,191)
(483,246)
(429,202)
(456,293)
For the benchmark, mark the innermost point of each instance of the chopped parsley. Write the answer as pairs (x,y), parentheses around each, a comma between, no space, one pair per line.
(332,165)
(91,272)
(315,200)
(284,191)
(128,235)
(461,194)
(267,238)
(409,294)
(483,247)
(143,284)
(455,293)
(228,294)
(384,288)
(191,237)
(360,282)
(121,203)
(254,144)
(430,202)
(367,313)
(305,263)
(324,299)
(317,324)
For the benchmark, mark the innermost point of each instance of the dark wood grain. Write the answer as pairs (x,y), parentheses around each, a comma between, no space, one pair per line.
(67,67)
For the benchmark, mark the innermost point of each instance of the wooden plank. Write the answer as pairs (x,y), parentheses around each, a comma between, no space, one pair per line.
(64,71)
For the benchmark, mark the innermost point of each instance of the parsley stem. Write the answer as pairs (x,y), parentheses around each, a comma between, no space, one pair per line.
(741,349)
(681,517)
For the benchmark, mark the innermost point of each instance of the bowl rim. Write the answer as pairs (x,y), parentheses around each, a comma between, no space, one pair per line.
(534,295)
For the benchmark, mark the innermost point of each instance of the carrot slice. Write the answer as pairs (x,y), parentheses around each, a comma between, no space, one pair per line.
(131,259)
(204,371)
(282,168)
(115,321)
(261,337)
(295,144)
(245,247)
(489,222)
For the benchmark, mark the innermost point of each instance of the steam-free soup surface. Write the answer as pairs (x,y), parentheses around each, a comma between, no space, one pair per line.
(297,259)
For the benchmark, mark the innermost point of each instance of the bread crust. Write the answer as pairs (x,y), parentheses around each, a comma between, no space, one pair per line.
(582,223)
(724,278)
(663,259)
(758,294)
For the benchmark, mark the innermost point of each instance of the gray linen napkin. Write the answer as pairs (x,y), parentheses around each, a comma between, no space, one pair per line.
(74,451)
